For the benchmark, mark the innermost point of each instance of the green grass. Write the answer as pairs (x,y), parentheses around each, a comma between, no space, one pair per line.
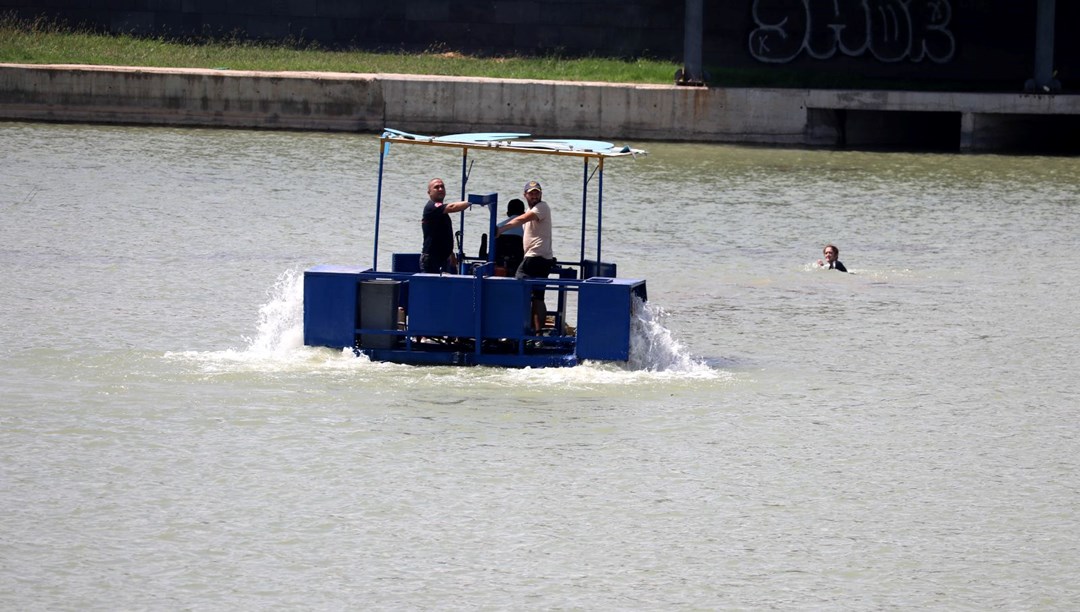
(45,42)
(41,42)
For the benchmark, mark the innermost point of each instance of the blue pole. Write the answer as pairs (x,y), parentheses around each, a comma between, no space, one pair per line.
(461,216)
(383,145)
(600,210)
(492,225)
(584,204)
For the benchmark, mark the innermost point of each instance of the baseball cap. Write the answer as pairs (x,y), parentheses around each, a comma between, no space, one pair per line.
(531,185)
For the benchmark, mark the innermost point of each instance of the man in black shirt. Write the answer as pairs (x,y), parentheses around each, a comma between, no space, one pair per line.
(438,253)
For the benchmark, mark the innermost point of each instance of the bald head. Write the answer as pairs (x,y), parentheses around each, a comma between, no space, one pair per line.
(436,190)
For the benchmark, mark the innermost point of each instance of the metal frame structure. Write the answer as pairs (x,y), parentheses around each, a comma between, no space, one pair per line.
(479,316)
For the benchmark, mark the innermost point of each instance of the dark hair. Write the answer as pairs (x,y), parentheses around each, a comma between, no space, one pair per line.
(835,249)
(515,207)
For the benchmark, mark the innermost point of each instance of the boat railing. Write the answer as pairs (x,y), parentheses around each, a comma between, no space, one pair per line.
(581,270)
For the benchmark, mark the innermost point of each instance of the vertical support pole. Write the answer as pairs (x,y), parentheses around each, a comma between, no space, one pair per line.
(599,208)
(461,215)
(584,203)
(464,170)
(478,312)
(692,73)
(492,231)
(384,148)
(1044,81)
(967,132)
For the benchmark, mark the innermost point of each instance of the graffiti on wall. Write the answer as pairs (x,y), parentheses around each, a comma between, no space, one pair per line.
(889,30)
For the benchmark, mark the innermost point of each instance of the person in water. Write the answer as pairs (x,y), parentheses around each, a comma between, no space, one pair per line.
(438,253)
(831,253)
(539,257)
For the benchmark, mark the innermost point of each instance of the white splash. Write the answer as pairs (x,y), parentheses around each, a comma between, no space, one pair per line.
(278,344)
(652,347)
(281,320)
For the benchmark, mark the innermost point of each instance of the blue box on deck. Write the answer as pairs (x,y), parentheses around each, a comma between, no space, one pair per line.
(441,305)
(446,305)
(330,299)
(507,304)
(605,316)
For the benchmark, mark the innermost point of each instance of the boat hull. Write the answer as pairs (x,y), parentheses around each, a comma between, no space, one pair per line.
(475,319)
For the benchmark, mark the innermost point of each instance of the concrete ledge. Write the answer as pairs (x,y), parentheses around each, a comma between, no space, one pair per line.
(429,104)
(925,101)
(305,101)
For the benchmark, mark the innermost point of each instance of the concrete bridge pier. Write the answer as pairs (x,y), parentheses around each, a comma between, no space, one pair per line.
(1044,81)
(824,127)
(967,132)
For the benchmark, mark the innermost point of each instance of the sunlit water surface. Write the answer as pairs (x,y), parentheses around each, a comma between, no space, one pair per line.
(902,437)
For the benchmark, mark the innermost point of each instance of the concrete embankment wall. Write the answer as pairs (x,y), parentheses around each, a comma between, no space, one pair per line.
(425,104)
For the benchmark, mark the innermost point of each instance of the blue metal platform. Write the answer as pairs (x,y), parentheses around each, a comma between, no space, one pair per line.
(475,317)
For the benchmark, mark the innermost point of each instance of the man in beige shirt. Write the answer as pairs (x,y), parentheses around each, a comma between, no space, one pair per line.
(539,257)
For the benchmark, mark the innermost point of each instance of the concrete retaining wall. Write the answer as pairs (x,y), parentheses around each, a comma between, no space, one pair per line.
(191,97)
(425,104)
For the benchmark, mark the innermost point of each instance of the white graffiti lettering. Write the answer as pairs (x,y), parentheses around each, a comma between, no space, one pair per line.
(889,30)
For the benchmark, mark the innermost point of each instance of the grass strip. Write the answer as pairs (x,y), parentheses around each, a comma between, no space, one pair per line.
(44,42)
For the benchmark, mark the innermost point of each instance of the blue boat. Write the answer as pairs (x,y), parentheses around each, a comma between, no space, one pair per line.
(482,315)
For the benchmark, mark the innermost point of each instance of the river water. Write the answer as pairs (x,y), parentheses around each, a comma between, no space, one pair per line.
(905,436)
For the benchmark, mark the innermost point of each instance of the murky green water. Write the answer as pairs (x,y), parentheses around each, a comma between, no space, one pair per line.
(900,437)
